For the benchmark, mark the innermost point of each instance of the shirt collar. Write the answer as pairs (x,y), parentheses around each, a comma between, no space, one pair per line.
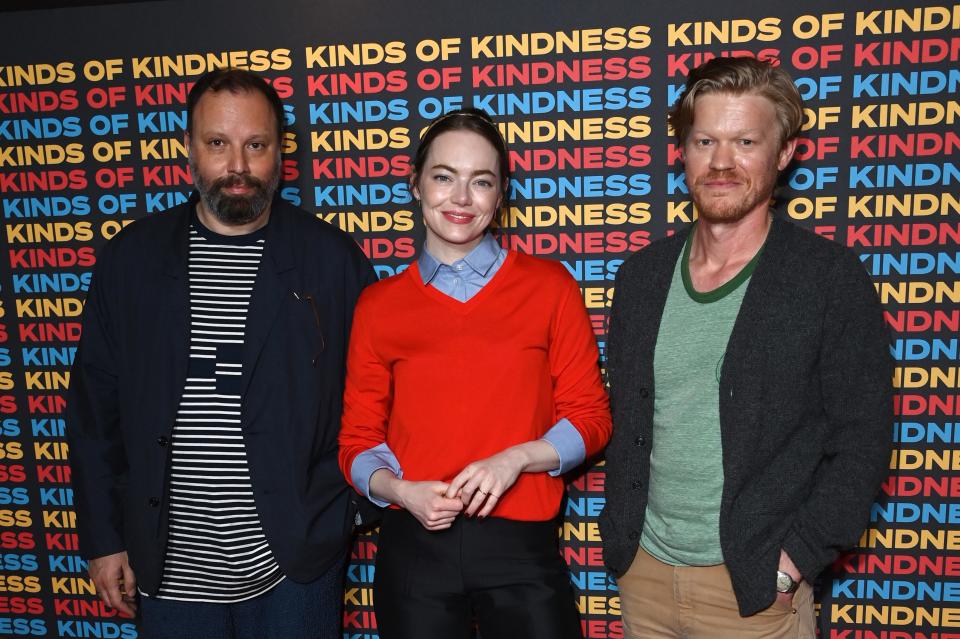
(481,259)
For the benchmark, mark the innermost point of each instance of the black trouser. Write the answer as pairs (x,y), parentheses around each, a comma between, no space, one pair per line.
(505,575)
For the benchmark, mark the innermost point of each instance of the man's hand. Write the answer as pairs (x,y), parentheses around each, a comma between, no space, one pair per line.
(115,582)
(785,599)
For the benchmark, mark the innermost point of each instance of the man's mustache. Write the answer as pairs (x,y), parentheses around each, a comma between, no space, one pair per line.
(719,175)
(229,181)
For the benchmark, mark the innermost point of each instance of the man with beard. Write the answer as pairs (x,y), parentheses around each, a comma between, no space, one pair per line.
(750,382)
(206,394)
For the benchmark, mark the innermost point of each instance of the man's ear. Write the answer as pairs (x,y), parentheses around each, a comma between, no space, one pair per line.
(186,143)
(786,153)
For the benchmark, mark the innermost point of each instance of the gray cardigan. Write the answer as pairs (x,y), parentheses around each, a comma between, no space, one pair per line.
(805,408)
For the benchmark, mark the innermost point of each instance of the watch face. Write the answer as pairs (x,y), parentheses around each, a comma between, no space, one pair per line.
(785,582)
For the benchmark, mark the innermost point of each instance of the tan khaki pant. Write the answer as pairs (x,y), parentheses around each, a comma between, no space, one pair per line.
(693,602)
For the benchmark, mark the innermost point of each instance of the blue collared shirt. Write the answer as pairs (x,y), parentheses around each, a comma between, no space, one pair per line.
(462,280)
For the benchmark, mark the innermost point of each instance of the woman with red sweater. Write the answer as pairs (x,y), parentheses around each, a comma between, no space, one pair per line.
(472,384)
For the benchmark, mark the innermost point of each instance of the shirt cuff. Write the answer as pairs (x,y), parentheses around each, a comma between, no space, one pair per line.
(369,462)
(568,443)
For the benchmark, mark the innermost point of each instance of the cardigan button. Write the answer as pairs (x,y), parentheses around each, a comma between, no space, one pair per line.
(639,441)
(644,393)
(634,535)
(637,485)
(162,441)
(154,502)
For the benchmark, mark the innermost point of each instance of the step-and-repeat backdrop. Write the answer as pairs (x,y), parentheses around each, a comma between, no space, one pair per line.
(91,119)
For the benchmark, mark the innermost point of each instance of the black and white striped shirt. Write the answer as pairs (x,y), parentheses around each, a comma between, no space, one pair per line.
(216,548)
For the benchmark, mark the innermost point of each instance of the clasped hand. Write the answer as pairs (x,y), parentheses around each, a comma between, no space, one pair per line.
(475,491)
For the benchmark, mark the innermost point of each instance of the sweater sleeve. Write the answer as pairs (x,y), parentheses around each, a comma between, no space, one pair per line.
(856,373)
(579,395)
(368,393)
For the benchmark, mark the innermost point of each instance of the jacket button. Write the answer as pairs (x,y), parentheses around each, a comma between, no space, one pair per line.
(154,502)
(634,535)
(644,393)
(637,484)
(639,441)
(163,441)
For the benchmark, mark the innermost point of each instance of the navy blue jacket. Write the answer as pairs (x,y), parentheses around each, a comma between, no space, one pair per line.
(805,408)
(131,366)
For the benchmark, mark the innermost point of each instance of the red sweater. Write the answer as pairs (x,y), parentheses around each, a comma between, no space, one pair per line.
(445,383)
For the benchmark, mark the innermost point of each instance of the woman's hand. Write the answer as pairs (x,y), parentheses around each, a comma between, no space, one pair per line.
(424,500)
(482,484)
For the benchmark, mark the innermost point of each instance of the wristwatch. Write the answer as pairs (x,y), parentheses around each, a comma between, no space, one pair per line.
(785,583)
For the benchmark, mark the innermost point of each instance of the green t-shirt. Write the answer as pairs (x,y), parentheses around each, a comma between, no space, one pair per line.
(682,524)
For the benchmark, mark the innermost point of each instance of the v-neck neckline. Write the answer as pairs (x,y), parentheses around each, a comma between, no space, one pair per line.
(462,307)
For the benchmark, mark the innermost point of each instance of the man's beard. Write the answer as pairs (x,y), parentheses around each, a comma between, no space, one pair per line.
(721,210)
(235,210)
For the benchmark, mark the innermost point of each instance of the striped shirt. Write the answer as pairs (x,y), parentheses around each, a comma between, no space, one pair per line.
(216,548)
